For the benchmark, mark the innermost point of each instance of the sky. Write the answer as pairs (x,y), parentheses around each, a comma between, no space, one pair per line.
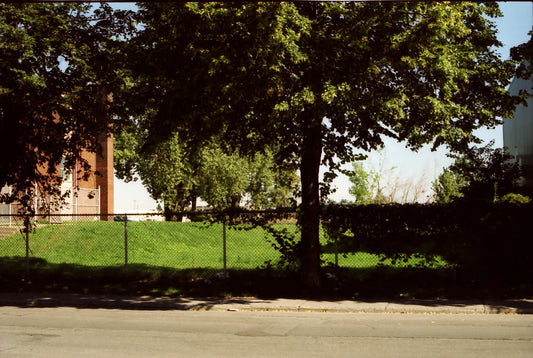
(404,170)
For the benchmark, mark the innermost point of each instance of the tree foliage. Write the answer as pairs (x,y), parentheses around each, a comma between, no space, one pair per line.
(479,174)
(523,54)
(488,173)
(447,187)
(166,171)
(177,176)
(363,184)
(319,80)
(57,72)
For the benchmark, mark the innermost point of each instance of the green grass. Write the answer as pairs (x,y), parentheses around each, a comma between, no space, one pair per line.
(168,244)
(181,259)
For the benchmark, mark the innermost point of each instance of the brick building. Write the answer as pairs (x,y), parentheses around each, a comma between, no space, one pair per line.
(102,181)
(91,196)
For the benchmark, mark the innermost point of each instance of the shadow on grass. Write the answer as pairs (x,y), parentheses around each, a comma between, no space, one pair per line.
(143,280)
(158,287)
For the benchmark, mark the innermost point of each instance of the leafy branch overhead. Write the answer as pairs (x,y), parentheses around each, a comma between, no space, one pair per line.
(319,81)
(58,70)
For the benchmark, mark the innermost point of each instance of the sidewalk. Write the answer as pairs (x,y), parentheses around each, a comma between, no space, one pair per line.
(255,304)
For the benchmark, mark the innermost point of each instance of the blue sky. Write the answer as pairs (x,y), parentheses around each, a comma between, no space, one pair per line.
(419,168)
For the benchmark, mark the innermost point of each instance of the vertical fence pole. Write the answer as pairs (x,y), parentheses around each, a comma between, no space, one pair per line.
(27,231)
(224,243)
(49,208)
(336,253)
(126,243)
(10,208)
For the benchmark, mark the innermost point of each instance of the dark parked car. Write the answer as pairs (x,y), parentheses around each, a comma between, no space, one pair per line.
(120,218)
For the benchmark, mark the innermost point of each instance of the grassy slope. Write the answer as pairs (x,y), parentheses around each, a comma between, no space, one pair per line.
(89,257)
(170,244)
(167,244)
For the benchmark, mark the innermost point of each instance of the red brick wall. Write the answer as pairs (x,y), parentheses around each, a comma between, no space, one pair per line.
(104,166)
(103,179)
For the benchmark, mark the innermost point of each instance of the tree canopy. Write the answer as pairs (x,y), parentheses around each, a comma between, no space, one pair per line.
(322,80)
(57,73)
(318,81)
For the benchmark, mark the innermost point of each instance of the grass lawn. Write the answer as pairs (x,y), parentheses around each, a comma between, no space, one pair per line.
(170,258)
(168,244)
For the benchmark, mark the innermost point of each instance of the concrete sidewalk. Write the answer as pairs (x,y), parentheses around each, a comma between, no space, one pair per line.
(256,304)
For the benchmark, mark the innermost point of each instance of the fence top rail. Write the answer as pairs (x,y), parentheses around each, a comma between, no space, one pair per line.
(184,213)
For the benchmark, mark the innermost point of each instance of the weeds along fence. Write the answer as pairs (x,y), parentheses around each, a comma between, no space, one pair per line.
(208,243)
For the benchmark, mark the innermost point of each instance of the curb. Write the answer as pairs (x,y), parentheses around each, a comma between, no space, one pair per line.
(28,300)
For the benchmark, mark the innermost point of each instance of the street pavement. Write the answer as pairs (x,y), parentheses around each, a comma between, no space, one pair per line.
(270,305)
(96,332)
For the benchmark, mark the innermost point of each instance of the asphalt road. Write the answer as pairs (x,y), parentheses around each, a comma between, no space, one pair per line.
(72,332)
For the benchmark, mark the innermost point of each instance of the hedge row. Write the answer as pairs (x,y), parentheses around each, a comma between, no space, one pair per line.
(486,241)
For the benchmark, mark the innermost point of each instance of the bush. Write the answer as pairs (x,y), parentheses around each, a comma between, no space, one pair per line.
(513,198)
(491,241)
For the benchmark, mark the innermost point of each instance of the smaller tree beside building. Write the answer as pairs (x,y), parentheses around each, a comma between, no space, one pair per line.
(478,174)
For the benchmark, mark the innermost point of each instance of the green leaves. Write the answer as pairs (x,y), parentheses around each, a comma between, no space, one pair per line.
(524,55)
(485,174)
(447,187)
(57,68)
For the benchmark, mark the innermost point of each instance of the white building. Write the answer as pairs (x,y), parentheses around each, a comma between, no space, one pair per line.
(518,133)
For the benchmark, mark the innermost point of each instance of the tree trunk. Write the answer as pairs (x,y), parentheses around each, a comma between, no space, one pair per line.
(310,219)
(193,198)
(167,212)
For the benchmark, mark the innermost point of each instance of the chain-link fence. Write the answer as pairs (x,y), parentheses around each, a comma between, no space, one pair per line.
(202,247)
(202,242)
(206,242)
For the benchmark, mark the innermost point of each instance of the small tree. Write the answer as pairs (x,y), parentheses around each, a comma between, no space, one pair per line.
(447,187)
(271,186)
(481,174)
(363,184)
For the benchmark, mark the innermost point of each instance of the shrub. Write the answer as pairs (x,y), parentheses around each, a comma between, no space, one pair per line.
(491,241)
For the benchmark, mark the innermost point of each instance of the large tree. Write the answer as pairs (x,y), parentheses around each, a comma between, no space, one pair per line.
(323,80)
(57,74)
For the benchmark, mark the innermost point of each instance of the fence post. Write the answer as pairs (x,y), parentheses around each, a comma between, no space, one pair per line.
(49,208)
(224,242)
(126,243)
(10,208)
(336,253)
(27,231)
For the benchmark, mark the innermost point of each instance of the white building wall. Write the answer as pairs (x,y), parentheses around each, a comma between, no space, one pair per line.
(518,132)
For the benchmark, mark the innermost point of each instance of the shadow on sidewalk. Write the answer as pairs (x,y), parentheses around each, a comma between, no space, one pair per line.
(28,300)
